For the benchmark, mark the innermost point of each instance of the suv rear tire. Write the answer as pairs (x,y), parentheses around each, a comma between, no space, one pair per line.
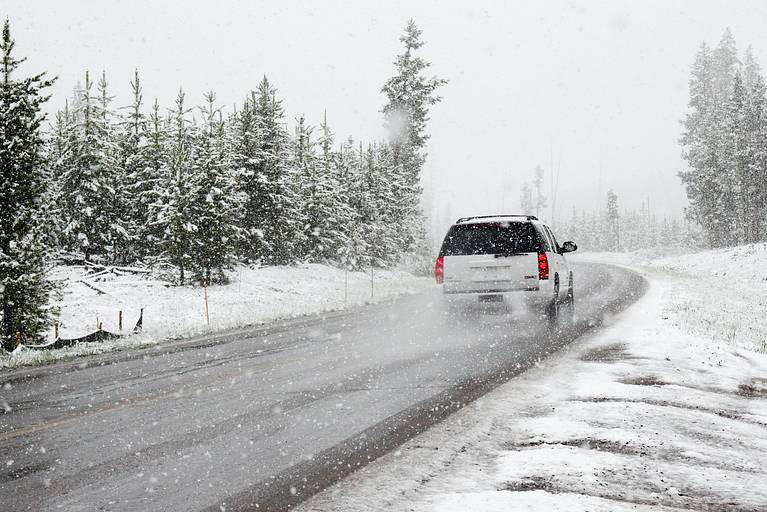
(568,312)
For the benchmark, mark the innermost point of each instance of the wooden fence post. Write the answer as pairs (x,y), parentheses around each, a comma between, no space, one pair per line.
(205,291)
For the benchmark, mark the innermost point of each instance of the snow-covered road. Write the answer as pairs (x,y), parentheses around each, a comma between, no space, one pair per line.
(262,416)
(664,409)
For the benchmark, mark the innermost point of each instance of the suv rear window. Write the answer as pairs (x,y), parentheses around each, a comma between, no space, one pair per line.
(490,238)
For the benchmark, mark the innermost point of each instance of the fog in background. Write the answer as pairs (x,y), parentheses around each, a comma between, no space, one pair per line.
(595,90)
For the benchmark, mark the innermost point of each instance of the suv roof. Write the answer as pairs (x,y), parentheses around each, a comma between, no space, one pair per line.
(495,218)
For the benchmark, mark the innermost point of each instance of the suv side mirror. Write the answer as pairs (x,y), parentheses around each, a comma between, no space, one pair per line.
(569,247)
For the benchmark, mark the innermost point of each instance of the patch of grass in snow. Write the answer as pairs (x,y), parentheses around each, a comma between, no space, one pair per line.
(719,294)
(721,310)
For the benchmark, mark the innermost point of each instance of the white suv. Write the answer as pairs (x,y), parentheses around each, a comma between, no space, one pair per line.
(498,258)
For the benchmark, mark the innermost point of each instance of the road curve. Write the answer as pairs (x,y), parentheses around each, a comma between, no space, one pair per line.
(262,418)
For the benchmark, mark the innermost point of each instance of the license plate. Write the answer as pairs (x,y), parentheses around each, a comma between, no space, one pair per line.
(491,298)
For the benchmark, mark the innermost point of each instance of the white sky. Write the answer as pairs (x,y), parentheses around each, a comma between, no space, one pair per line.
(586,82)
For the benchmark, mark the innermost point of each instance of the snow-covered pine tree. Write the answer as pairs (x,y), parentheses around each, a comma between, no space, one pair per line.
(322,236)
(215,207)
(57,145)
(171,213)
(387,189)
(139,177)
(309,244)
(334,198)
(365,203)
(612,225)
(410,94)
(377,206)
(150,185)
(526,200)
(725,63)
(245,160)
(117,216)
(540,199)
(734,155)
(88,180)
(755,119)
(699,143)
(58,153)
(355,254)
(24,242)
(270,221)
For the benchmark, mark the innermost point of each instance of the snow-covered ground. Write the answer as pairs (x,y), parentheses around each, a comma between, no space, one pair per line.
(254,296)
(719,295)
(664,409)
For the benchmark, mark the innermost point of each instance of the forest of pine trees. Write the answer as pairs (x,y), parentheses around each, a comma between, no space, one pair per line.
(193,189)
(614,230)
(725,145)
(197,188)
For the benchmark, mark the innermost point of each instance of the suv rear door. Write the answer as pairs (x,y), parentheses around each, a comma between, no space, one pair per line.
(491,257)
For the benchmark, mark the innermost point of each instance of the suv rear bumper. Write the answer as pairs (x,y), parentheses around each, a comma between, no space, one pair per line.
(472,288)
(537,293)
(484,287)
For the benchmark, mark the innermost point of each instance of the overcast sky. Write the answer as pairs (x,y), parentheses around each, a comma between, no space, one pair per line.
(585,85)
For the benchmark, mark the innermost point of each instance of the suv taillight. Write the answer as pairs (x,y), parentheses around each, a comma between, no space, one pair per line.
(543,266)
(439,269)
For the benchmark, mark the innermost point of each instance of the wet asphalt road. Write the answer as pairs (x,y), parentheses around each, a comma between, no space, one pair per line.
(261,418)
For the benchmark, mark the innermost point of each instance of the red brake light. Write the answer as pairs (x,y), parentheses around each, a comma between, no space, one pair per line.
(543,266)
(439,269)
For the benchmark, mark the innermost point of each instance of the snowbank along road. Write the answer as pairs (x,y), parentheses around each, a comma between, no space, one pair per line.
(265,417)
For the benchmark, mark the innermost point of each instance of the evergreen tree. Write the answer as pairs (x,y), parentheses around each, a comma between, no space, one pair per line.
(215,206)
(540,199)
(24,243)
(139,178)
(755,126)
(58,151)
(303,163)
(323,234)
(171,214)
(526,200)
(271,220)
(148,186)
(734,155)
(699,142)
(117,217)
(245,160)
(410,94)
(612,224)
(88,195)
(378,211)
(388,189)
(725,64)
(356,254)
